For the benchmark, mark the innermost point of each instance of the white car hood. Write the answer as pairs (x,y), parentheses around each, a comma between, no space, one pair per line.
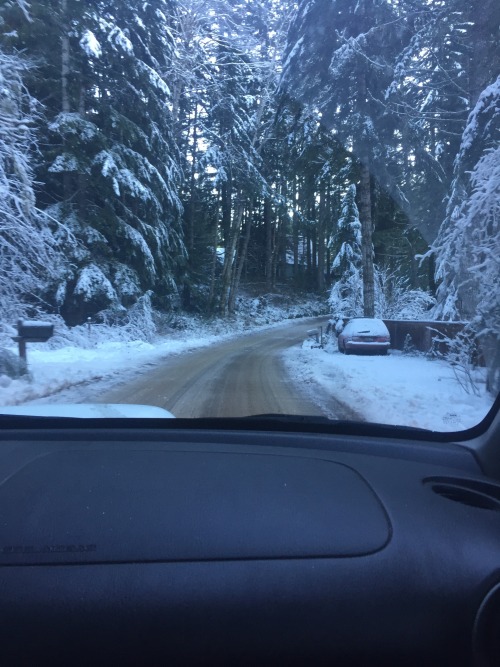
(88,411)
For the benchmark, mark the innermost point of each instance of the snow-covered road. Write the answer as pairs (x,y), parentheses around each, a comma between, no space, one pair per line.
(236,378)
(234,374)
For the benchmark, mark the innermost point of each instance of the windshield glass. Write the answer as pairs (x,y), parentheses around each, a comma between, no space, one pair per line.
(198,196)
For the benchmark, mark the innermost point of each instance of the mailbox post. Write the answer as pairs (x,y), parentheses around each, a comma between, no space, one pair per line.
(317,335)
(31,332)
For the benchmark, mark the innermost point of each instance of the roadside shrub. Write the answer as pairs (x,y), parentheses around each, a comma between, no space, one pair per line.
(461,352)
(395,300)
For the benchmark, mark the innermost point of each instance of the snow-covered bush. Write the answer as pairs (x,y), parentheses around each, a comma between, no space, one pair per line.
(64,336)
(136,323)
(11,365)
(141,323)
(269,308)
(112,325)
(408,346)
(92,284)
(395,300)
(461,353)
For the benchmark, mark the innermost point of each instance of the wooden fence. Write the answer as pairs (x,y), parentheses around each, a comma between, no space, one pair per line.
(422,335)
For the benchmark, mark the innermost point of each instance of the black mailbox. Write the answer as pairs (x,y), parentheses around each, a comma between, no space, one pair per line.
(34,332)
(31,332)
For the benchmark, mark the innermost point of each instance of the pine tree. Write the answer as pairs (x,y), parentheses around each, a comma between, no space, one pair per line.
(468,245)
(110,165)
(346,297)
(28,251)
(340,58)
(236,122)
(430,96)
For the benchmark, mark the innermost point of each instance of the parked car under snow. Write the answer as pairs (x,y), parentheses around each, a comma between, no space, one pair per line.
(364,334)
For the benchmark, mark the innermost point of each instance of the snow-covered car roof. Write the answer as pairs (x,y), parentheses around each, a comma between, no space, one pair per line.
(366,325)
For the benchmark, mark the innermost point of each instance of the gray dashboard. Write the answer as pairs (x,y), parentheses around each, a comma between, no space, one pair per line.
(231,547)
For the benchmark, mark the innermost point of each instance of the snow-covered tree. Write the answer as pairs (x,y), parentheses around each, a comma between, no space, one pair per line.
(234,115)
(340,59)
(165,136)
(110,167)
(346,297)
(450,54)
(348,236)
(28,254)
(468,245)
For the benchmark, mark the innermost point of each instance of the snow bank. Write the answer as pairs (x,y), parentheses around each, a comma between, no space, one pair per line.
(397,389)
(53,371)
(82,362)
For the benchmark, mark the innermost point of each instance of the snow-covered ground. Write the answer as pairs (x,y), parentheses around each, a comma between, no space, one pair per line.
(79,363)
(55,371)
(395,389)
(77,373)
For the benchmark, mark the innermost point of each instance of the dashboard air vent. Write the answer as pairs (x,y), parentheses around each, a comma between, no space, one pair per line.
(473,493)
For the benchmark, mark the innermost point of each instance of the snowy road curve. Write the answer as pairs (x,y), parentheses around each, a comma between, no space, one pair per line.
(240,377)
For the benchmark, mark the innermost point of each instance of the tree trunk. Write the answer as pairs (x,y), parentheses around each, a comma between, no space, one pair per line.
(413,265)
(268,266)
(295,245)
(314,251)
(365,215)
(241,262)
(365,205)
(192,194)
(211,297)
(320,273)
(281,249)
(65,59)
(308,256)
(230,258)
(311,232)
(65,71)
(82,177)
(226,208)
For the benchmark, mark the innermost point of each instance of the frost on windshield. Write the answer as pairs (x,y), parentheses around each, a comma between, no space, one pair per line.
(173,165)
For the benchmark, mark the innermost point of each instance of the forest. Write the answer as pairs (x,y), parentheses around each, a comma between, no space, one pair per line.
(165,154)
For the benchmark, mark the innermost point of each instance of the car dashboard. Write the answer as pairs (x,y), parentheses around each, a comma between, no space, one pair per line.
(134,545)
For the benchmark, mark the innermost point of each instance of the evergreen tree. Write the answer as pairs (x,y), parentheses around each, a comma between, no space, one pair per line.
(346,297)
(430,96)
(340,58)
(28,251)
(110,164)
(468,244)
(237,123)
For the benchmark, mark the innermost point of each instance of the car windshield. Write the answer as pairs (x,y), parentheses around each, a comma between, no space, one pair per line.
(226,208)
